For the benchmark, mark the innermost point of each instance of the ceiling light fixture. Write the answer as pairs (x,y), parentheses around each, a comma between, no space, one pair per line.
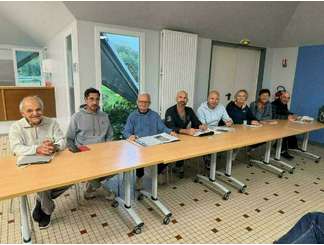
(245,42)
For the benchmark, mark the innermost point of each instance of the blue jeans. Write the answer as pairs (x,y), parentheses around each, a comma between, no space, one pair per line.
(309,229)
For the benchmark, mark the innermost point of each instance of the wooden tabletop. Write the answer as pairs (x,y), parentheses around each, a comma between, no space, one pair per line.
(306,127)
(119,156)
(190,147)
(69,168)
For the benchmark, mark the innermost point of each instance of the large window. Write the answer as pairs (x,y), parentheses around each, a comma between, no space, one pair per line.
(28,68)
(120,73)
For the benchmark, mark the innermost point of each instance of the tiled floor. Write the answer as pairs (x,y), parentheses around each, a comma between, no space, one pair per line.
(268,209)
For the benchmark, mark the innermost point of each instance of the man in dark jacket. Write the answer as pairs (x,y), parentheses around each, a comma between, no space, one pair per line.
(280,111)
(183,120)
(239,111)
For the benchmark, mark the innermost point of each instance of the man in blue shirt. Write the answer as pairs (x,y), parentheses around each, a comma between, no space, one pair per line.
(144,122)
(211,112)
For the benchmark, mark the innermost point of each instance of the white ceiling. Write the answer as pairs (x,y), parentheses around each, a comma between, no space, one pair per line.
(266,24)
(39,20)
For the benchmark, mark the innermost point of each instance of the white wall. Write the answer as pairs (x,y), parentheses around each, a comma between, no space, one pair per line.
(274,73)
(56,51)
(87,66)
(202,71)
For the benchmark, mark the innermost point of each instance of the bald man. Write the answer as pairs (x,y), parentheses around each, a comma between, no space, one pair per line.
(37,134)
(144,122)
(212,113)
(182,119)
(280,111)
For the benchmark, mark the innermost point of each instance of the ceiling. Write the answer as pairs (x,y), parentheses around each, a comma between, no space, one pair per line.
(39,21)
(266,24)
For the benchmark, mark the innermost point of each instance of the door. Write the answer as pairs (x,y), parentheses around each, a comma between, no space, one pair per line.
(69,69)
(232,69)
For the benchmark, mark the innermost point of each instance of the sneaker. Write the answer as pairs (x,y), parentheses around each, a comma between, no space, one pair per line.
(45,221)
(286,155)
(89,193)
(109,195)
(37,211)
(139,184)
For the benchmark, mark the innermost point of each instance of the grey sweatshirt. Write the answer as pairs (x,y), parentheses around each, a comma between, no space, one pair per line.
(89,128)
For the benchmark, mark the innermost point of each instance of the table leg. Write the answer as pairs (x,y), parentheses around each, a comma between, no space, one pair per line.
(25,229)
(265,164)
(153,196)
(303,151)
(126,204)
(211,181)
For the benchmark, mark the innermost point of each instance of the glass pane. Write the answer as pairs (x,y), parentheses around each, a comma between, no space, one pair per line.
(28,67)
(120,72)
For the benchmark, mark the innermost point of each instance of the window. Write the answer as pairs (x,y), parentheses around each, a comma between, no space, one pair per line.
(28,68)
(120,73)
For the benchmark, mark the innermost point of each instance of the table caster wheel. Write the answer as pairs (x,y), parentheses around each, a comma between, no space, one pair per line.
(317,161)
(280,175)
(196,180)
(137,230)
(291,171)
(226,196)
(115,204)
(166,220)
(243,189)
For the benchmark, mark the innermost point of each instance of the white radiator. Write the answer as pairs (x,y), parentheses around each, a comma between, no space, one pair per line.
(178,58)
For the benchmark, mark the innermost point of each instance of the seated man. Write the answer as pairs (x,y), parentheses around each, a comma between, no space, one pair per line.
(280,111)
(144,122)
(262,109)
(211,112)
(37,134)
(308,230)
(239,111)
(90,126)
(183,120)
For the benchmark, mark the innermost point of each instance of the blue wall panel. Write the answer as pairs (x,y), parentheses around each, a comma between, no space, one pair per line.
(308,91)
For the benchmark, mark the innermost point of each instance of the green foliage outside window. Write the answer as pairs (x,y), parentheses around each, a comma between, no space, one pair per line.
(118,109)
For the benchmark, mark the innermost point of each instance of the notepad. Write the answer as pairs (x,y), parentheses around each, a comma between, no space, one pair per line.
(156,139)
(33,159)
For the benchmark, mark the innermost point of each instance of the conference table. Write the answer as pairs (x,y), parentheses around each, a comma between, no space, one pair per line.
(123,157)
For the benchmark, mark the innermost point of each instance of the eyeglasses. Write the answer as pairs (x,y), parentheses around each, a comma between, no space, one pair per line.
(144,102)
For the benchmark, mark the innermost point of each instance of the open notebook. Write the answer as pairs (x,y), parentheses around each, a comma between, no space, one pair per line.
(156,139)
(33,159)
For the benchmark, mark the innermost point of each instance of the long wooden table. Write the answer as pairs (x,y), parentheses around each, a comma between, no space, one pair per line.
(122,157)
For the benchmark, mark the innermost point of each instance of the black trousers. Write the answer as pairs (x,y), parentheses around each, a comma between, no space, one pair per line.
(140,171)
(289,143)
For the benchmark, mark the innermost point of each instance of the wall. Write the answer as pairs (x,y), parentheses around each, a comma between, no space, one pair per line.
(202,71)
(87,66)
(274,73)
(56,51)
(309,85)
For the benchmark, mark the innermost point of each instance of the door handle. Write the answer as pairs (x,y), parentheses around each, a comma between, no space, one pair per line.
(228,95)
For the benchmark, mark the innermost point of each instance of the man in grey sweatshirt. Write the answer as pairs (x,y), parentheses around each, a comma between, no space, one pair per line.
(90,126)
